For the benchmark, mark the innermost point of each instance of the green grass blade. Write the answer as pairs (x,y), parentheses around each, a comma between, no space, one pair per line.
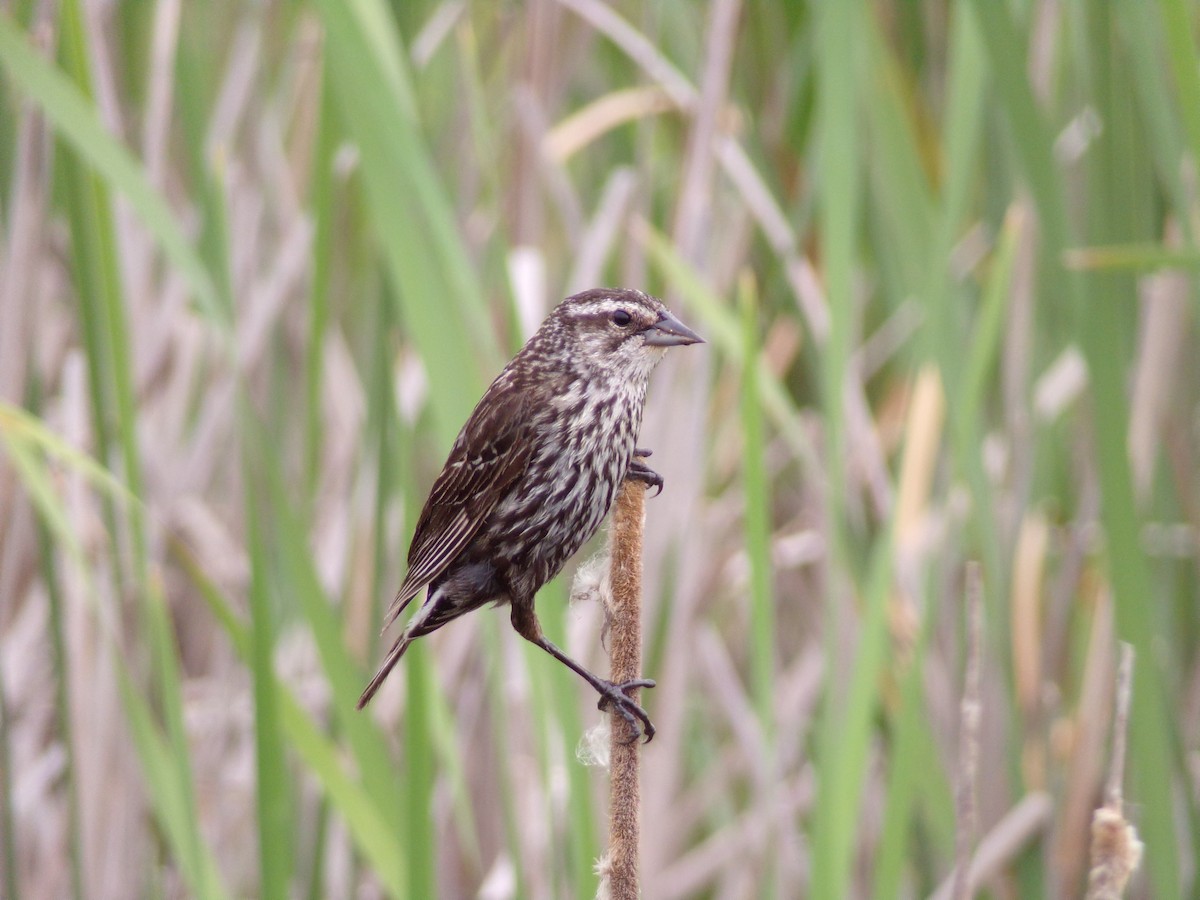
(182,799)
(37,481)
(346,678)
(961,138)
(168,796)
(322,255)
(48,565)
(909,776)
(982,188)
(62,667)
(165,762)
(364,819)
(1102,326)
(273,789)
(838,213)
(73,117)
(903,206)
(1166,140)
(1131,258)
(946,298)
(555,708)
(16,424)
(843,735)
(723,330)
(440,300)
(844,738)
(1179,31)
(970,409)
(419,771)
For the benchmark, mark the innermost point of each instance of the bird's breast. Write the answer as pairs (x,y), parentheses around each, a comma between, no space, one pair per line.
(583,451)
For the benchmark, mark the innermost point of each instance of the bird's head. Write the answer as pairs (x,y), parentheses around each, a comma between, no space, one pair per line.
(622,331)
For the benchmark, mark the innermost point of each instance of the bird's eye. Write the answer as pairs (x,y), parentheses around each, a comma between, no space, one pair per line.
(622,318)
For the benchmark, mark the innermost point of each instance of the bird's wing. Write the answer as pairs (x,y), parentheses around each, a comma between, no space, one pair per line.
(489,455)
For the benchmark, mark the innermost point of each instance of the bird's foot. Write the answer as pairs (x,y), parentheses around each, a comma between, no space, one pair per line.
(639,471)
(614,695)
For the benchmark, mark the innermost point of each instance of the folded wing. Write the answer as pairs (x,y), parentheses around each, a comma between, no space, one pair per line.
(490,454)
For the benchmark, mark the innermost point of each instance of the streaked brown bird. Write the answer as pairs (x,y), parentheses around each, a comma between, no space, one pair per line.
(534,471)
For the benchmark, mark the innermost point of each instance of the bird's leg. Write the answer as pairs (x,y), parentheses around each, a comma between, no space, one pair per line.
(611,693)
(639,471)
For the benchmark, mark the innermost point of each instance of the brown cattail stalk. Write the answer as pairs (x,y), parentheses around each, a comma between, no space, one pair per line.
(1116,850)
(625,620)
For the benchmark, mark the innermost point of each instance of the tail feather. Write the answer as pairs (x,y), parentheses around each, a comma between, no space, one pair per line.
(440,606)
(403,597)
(413,630)
(389,663)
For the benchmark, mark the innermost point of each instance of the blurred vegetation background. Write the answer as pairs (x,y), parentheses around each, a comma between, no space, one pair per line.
(259,260)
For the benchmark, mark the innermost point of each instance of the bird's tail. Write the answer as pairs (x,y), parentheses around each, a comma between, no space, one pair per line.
(438,609)
(389,663)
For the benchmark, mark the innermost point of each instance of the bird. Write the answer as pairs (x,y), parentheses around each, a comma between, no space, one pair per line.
(534,471)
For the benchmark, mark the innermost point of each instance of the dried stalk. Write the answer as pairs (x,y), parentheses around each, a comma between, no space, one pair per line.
(1007,839)
(1116,850)
(625,620)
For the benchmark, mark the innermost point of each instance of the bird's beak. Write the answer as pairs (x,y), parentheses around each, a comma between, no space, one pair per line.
(668,331)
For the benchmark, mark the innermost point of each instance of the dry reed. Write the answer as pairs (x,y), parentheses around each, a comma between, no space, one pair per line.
(625,617)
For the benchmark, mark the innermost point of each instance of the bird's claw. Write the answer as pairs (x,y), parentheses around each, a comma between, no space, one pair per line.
(639,471)
(614,695)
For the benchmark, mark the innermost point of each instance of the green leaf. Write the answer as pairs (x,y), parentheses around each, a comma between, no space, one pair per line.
(76,119)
